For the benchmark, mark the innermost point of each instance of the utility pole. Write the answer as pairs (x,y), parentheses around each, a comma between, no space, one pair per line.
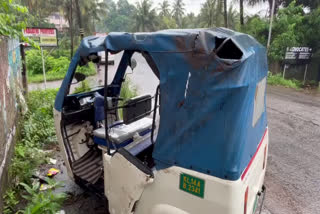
(24,70)
(225,13)
(81,30)
(270,27)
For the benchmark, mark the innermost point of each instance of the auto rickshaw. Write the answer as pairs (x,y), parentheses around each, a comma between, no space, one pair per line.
(198,145)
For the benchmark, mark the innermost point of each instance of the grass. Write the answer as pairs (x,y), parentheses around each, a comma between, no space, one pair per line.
(127,91)
(277,79)
(37,134)
(38,78)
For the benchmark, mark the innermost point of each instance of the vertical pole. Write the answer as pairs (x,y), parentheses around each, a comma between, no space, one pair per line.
(81,30)
(24,70)
(43,69)
(284,70)
(271,22)
(305,74)
(241,14)
(225,13)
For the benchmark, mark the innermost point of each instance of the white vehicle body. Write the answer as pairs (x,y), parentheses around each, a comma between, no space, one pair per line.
(127,187)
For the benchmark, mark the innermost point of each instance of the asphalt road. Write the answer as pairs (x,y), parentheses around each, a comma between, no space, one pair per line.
(293,171)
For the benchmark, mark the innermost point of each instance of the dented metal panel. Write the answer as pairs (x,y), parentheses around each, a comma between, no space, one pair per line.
(208,80)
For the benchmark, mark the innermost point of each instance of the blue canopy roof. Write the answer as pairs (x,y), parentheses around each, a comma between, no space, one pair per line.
(208,81)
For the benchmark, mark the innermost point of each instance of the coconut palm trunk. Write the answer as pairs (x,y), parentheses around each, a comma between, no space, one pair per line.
(241,13)
(79,19)
(225,8)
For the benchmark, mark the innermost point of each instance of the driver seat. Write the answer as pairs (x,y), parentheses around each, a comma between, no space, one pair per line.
(121,134)
(135,124)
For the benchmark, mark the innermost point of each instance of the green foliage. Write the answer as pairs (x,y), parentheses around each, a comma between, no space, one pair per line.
(10,24)
(11,201)
(42,202)
(127,91)
(167,23)
(277,79)
(84,87)
(286,31)
(145,16)
(178,11)
(258,28)
(292,27)
(56,68)
(119,17)
(37,132)
(211,13)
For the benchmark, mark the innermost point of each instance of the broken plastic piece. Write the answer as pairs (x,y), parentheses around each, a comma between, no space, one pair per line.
(53,161)
(52,172)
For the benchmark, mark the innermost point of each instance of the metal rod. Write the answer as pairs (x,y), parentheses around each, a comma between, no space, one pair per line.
(284,70)
(154,113)
(271,22)
(43,69)
(305,74)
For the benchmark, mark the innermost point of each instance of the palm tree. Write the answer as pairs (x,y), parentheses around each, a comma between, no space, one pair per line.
(164,8)
(208,12)
(145,16)
(277,4)
(225,14)
(91,11)
(233,18)
(178,11)
(211,13)
(241,13)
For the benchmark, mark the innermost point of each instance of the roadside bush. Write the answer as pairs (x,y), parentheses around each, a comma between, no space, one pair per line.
(84,87)
(56,68)
(127,91)
(37,133)
(277,79)
(43,201)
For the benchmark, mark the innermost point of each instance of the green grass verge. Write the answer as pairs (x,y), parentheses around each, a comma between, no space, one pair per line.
(52,76)
(277,79)
(37,135)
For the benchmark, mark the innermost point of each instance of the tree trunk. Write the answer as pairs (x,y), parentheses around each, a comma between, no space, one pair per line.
(79,19)
(241,13)
(71,29)
(225,13)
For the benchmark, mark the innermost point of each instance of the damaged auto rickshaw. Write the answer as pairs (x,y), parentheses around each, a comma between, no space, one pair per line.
(198,145)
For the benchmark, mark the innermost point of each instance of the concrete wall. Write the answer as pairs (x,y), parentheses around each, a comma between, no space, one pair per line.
(10,90)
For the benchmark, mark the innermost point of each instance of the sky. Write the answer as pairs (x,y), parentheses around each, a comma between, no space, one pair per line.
(195,5)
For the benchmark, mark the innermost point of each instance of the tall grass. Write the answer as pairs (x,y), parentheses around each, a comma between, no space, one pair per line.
(37,133)
(127,91)
(277,79)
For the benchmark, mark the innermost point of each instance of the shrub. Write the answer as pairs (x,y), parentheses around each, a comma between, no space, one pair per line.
(84,87)
(37,132)
(277,79)
(56,68)
(127,91)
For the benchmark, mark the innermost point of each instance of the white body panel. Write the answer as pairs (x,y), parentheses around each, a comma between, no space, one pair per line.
(124,183)
(163,195)
(57,122)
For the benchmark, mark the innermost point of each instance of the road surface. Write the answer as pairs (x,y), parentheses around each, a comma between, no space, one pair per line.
(293,171)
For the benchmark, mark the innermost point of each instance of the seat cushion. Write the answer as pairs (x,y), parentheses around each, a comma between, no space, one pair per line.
(121,133)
